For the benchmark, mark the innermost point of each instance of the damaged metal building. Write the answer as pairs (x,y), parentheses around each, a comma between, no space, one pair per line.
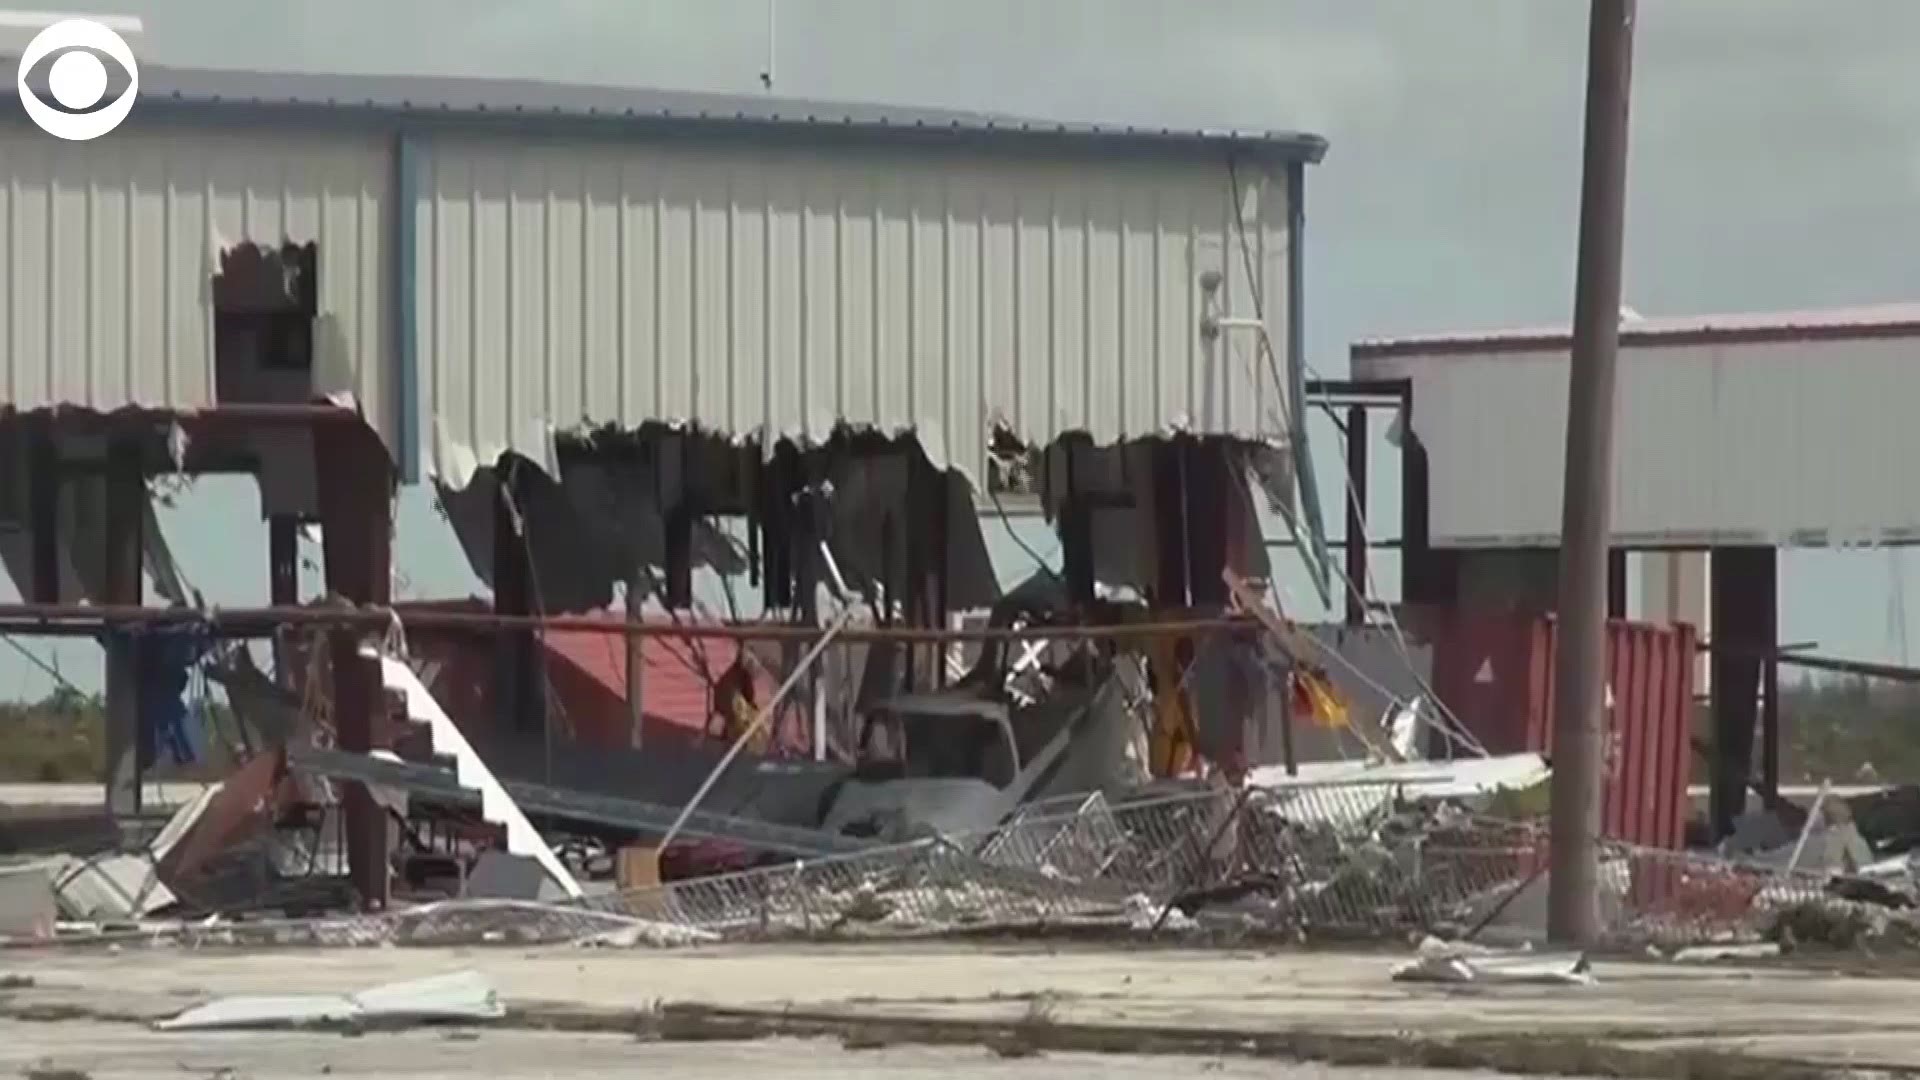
(604,324)
(1740,435)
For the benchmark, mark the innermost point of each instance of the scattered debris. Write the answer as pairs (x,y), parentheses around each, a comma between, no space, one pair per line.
(27,905)
(1707,954)
(1454,962)
(116,888)
(464,997)
(499,875)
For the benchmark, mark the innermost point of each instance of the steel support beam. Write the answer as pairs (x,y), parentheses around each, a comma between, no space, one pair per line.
(1745,629)
(356,489)
(127,742)
(43,510)
(1356,515)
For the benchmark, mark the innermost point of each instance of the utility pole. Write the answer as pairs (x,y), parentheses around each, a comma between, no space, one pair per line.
(1580,658)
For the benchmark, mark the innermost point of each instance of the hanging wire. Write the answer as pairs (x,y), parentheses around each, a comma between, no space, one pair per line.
(1403,646)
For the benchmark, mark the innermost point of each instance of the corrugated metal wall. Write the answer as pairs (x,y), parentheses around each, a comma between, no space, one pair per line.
(783,287)
(1495,672)
(1740,443)
(107,250)
(1649,744)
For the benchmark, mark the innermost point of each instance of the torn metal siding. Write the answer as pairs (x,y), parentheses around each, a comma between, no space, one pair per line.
(754,288)
(1750,442)
(107,250)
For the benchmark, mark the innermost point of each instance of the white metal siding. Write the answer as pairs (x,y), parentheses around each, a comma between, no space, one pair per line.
(789,289)
(1757,442)
(107,249)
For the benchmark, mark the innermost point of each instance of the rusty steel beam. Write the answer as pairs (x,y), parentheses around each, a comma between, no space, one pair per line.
(231,412)
(356,484)
(43,512)
(86,620)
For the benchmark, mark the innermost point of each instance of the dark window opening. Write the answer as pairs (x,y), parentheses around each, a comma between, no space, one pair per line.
(265,300)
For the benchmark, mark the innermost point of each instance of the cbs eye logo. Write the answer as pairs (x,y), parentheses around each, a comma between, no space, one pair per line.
(77,79)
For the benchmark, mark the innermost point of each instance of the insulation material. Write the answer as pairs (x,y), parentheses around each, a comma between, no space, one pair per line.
(1124,552)
(869,503)
(602,516)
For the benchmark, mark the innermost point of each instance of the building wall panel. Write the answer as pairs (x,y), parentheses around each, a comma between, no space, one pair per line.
(1754,441)
(107,250)
(785,288)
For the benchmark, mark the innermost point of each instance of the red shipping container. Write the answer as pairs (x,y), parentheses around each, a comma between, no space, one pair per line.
(1495,672)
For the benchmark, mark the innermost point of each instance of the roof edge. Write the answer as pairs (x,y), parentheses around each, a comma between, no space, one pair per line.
(1677,335)
(1281,146)
(244,94)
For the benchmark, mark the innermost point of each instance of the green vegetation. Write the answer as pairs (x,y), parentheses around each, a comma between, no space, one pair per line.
(1849,730)
(62,739)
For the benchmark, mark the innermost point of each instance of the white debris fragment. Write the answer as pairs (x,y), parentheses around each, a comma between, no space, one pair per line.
(660,935)
(1701,954)
(1452,962)
(263,1011)
(464,996)
(1143,915)
(111,888)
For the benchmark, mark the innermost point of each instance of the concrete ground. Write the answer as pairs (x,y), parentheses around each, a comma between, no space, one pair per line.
(118,1052)
(1775,1012)
(93,796)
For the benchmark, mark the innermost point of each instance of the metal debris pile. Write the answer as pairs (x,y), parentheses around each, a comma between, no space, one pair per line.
(1298,859)
(1308,860)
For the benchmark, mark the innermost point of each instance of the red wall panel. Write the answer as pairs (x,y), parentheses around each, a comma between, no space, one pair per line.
(1495,672)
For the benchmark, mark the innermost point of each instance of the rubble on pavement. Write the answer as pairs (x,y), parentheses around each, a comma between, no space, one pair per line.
(1451,962)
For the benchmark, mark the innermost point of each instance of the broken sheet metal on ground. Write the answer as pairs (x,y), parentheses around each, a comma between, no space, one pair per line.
(460,998)
(1339,858)
(1312,859)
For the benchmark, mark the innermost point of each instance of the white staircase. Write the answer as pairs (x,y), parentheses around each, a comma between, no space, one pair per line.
(496,806)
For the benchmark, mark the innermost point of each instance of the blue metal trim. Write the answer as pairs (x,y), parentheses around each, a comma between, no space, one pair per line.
(1304,476)
(406,295)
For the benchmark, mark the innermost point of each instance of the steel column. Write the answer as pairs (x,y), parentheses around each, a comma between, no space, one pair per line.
(126,502)
(520,695)
(1745,632)
(356,489)
(1356,515)
(43,510)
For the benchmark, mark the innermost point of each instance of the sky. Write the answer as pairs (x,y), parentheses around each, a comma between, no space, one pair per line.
(1774,163)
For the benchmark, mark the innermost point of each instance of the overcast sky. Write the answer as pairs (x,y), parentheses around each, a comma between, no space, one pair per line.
(1775,157)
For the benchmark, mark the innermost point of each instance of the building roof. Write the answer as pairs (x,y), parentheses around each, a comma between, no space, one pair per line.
(1831,324)
(420,97)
